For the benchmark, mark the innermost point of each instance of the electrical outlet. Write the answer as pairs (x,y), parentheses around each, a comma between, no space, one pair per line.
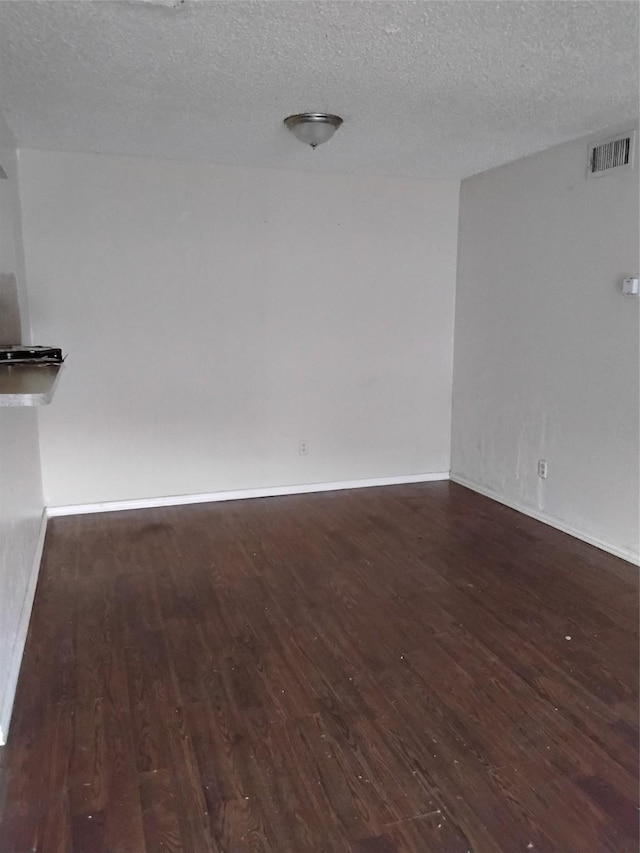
(542,468)
(303,447)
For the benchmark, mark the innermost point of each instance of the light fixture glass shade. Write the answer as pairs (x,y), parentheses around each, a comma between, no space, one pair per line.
(313,128)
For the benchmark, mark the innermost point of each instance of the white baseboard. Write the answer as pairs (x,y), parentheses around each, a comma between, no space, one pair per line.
(242,494)
(21,635)
(552,521)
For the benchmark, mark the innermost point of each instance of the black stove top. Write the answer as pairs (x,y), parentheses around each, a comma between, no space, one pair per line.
(31,355)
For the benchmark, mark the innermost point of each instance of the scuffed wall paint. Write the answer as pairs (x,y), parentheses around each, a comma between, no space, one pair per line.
(546,346)
(505,451)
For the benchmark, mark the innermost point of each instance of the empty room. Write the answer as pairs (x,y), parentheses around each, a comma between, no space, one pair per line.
(319,426)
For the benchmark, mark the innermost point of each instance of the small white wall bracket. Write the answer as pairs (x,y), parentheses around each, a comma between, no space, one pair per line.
(630,286)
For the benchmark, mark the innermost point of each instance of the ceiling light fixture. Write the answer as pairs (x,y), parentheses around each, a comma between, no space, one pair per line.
(313,128)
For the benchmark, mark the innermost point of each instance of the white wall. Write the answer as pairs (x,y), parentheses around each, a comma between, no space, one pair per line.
(21,502)
(546,347)
(214,316)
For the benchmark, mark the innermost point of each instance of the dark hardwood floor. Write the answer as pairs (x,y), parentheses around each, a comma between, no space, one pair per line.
(413,668)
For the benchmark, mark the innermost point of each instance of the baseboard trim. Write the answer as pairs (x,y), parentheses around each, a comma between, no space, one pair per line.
(624,553)
(21,634)
(243,494)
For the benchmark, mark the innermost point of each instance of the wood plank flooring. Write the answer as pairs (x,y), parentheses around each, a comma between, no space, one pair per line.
(413,668)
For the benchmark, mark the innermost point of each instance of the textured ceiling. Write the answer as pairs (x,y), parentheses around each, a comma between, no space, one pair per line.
(434,89)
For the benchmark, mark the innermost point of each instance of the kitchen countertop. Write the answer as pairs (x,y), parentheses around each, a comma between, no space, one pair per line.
(28,384)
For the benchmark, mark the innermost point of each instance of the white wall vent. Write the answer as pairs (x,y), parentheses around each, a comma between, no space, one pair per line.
(609,154)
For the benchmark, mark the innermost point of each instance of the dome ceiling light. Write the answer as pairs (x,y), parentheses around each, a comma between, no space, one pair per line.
(313,128)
